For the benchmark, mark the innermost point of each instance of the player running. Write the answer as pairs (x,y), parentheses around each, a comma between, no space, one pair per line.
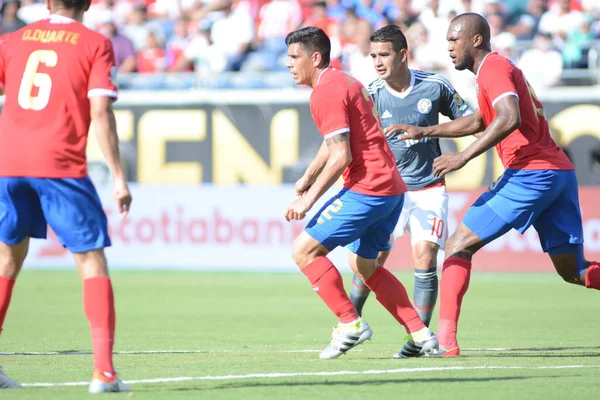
(364,213)
(402,95)
(57,79)
(538,187)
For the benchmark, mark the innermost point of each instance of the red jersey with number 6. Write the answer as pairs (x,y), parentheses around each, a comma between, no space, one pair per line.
(340,104)
(49,70)
(530,146)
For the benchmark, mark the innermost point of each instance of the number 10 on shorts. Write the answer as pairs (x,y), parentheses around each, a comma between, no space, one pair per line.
(437,227)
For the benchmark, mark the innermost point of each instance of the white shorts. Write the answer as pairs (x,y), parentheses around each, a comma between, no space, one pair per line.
(425,216)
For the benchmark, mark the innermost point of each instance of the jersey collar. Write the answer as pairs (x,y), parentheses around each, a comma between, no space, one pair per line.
(402,95)
(60,19)
(320,75)
(483,61)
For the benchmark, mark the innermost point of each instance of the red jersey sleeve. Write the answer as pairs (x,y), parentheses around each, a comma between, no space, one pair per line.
(329,108)
(102,75)
(497,79)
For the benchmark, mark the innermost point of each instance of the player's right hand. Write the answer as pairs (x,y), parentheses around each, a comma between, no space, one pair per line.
(122,196)
(408,131)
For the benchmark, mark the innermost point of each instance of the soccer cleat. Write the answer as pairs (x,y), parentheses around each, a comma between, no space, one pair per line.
(107,383)
(416,348)
(346,337)
(6,382)
(448,351)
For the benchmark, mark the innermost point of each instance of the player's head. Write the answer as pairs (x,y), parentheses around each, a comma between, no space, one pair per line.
(389,51)
(75,5)
(467,35)
(308,52)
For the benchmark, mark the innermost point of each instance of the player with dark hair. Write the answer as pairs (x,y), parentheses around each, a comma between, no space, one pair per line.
(364,213)
(538,187)
(403,95)
(58,79)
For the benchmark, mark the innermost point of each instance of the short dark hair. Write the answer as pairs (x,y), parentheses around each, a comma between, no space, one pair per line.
(73,4)
(392,34)
(313,40)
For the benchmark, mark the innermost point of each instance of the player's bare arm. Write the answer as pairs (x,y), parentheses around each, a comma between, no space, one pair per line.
(464,126)
(507,120)
(338,159)
(313,170)
(105,127)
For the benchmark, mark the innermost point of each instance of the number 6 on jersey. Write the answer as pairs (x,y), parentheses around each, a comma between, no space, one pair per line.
(31,78)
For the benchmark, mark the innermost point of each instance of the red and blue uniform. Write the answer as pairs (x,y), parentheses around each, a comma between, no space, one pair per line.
(364,213)
(49,70)
(539,185)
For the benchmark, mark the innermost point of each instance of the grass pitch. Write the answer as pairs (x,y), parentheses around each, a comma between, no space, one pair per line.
(195,335)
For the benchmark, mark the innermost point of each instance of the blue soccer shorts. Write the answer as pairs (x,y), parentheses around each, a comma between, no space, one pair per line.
(546,199)
(70,206)
(360,222)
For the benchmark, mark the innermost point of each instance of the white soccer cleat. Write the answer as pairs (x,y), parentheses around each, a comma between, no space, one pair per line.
(346,337)
(6,382)
(107,384)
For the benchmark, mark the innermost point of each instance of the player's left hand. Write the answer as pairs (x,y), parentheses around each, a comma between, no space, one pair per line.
(122,196)
(298,209)
(447,163)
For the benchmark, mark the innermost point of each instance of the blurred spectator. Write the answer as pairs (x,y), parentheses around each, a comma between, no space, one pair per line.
(125,58)
(10,21)
(232,35)
(357,56)
(32,10)
(177,45)
(577,46)
(525,26)
(139,25)
(561,21)
(152,58)
(424,55)
(406,17)
(277,19)
(331,26)
(542,64)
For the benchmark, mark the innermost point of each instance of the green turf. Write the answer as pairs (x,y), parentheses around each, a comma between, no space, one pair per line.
(248,322)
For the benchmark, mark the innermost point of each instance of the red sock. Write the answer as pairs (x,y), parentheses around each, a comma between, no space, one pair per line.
(592,277)
(392,295)
(6,288)
(327,282)
(456,274)
(99,308)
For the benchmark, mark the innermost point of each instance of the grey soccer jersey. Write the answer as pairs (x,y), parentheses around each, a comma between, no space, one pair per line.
(427,96)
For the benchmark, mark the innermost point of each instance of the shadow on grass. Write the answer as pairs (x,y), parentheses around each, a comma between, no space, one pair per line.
(354,382)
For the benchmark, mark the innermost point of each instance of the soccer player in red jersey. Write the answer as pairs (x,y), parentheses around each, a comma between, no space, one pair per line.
(364,213)
(538,187)
(57,77)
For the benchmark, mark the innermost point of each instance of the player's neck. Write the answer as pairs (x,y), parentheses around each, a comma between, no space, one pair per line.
(68,13)
(317,76)
(478,60)
(401,81)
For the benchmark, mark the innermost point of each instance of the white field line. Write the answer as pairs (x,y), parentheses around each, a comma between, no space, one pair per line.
(317,374)
(79,353)
(197,351)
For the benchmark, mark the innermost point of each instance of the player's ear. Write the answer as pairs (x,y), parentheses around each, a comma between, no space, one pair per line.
(477,41)
(403,55)
(316,59)
(88,4)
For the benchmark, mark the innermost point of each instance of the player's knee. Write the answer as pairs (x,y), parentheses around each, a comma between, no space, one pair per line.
(305,250)
(425,257)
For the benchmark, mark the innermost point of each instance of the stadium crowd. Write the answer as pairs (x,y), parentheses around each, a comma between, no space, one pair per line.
(207,38)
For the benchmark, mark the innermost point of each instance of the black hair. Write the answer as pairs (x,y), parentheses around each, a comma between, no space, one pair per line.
(72,4)
(313,40)
(392,34)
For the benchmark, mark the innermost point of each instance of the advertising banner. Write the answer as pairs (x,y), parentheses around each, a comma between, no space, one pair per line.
(211,227)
